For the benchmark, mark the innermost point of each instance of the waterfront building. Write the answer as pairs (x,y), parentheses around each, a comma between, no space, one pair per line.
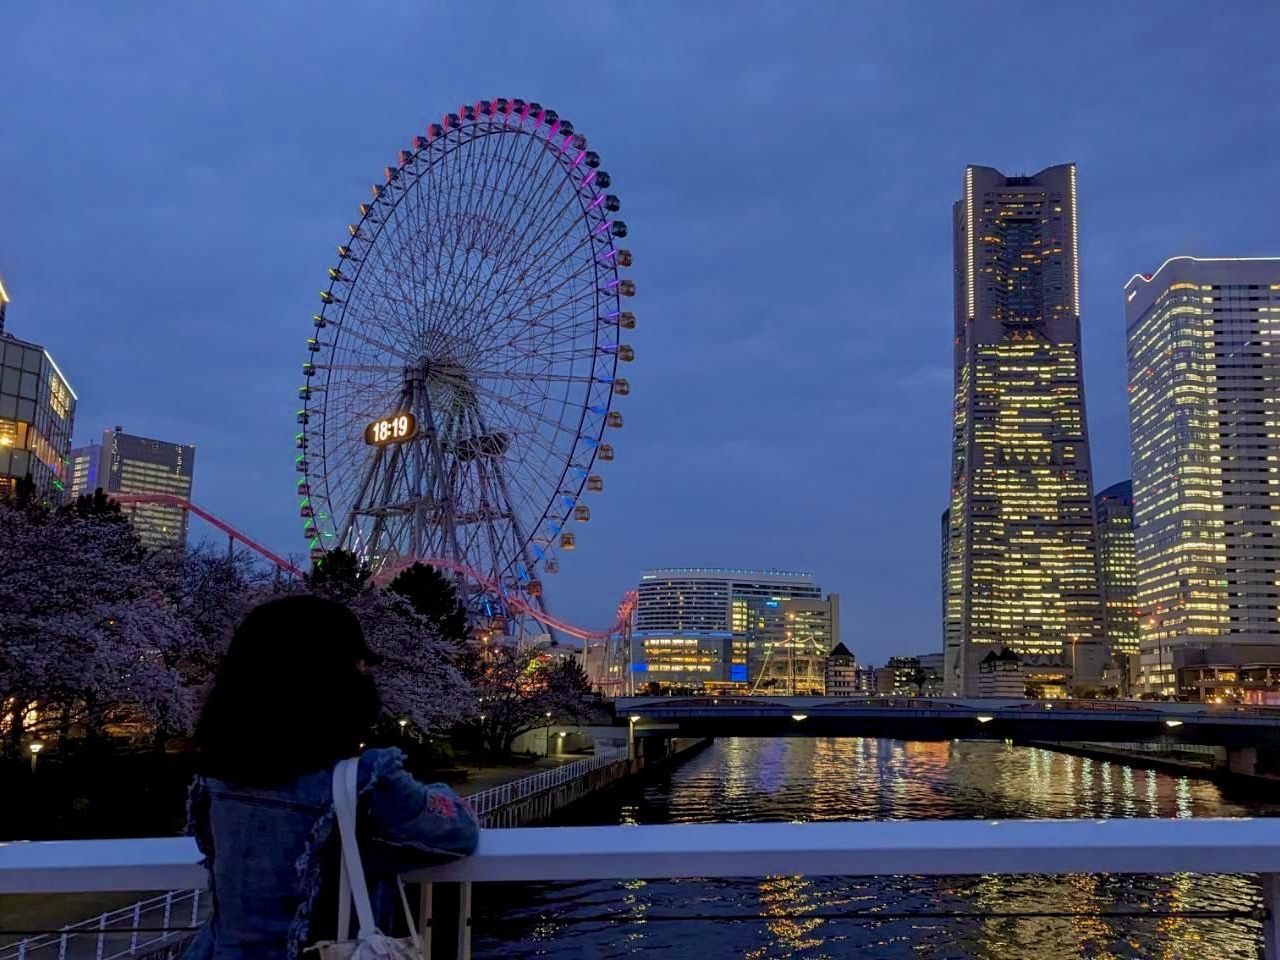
(793,645)
(1228,673)
(840,673)
(37,415)
(715,627)
(133,464)
(1204,404)
(883,680)
(931,665)
(1114,508)
(1022,563)
(82,472)
(1000,675)
(907,677)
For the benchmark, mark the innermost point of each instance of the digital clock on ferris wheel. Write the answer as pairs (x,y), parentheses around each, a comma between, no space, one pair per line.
(396,428)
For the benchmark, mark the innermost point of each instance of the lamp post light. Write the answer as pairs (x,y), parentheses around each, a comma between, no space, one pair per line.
(35,749)
(403,723)
(631,735)
(560,743)
(546,736)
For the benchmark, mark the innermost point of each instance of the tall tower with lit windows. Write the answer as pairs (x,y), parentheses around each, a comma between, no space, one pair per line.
(1204,422)
(1022,560)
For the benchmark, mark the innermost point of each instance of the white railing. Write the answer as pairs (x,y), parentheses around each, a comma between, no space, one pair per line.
(144,927)
(495,798)
(919,848)
(136,930)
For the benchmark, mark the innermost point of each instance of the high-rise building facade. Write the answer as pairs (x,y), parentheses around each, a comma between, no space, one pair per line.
(82,474)
(1114,507)
(1022,562)
(1204,417)
(131,464)
(37,415)
(712,626)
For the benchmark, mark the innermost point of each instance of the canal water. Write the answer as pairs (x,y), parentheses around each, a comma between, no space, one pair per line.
(757,780)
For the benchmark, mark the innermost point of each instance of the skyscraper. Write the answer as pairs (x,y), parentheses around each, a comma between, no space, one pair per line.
(1114,507)
(83,472)
(1204,417)
(141,465)
(710,626)
(37,414)
(1022,564)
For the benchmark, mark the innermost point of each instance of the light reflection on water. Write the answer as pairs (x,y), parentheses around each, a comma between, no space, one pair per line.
(742,780)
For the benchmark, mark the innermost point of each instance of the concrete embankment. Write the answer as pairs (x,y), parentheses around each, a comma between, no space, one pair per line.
(650,756)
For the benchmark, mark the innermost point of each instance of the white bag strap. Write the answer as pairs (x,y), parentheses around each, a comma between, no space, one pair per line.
(345,782)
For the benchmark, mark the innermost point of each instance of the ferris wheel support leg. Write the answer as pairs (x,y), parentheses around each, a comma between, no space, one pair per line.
(435,481)
(521,541)
(346,541)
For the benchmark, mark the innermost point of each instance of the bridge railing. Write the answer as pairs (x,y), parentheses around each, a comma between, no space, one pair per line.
(901,848)
(140,929)
(495,798)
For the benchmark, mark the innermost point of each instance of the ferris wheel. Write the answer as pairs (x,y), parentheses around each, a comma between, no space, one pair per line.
(460,380)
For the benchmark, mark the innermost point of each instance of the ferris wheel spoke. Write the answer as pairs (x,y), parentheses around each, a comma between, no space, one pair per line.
(518,252)
(361,368)
(480,206)
(387,348)
(521,375)
(501,305)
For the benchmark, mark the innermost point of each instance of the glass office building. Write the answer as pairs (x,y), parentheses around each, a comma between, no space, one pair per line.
(82,476)
(140,465)
(1114,507)
(713,627)
(1204,417)
(37,414)
(1022,562)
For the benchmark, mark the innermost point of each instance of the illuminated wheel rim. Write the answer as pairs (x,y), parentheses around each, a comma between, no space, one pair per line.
(480,291)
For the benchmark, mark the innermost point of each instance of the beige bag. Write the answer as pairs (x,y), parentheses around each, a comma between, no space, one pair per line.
(370,943)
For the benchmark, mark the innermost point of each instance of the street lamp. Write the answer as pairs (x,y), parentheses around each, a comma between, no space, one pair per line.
(35,749)
(546,736)
(403,723)
(631,735)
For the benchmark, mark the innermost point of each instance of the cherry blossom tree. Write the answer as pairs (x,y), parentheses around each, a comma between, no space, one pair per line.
(517,688)
(420,680)
(86,627)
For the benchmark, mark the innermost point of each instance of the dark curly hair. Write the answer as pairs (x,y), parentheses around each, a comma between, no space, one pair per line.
(291,695)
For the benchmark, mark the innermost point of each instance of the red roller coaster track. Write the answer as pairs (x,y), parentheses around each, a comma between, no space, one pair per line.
(516,603)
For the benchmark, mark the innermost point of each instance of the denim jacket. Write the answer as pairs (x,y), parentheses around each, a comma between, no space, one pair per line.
(272,853)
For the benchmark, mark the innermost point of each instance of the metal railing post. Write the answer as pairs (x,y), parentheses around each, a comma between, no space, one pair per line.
(62,946)
(102,936)
(464,922)
(195,906)
(1271,921)
(137,918)
(425,929)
